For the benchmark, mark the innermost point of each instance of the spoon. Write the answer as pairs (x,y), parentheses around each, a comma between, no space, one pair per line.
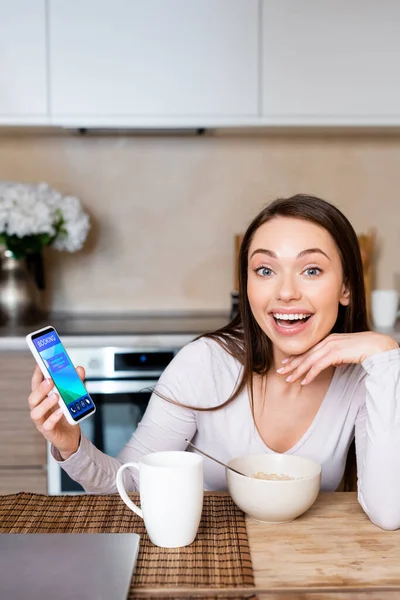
(215,459)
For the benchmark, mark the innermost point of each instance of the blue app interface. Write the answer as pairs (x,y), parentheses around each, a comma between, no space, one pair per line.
(63,373)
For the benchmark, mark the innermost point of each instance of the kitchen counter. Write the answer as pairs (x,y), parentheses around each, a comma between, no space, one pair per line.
(394,333)
(161,330)
(157,330)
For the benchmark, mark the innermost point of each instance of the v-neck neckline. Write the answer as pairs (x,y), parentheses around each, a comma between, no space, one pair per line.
(308,431)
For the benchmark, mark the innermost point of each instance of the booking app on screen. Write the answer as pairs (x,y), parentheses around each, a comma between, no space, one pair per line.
(63,372)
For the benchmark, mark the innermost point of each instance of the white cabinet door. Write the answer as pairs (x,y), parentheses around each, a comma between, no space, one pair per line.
(23,77)
(331,62)
(154,61)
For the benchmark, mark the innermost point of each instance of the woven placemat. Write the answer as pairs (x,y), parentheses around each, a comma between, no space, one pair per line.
(219,557)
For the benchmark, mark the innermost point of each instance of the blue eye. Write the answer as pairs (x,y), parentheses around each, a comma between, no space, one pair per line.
(313,271)
(264,272)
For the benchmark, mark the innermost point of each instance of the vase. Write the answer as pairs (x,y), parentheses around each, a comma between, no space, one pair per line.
(19,295)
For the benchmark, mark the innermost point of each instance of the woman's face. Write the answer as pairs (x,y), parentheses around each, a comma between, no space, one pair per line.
(295,283)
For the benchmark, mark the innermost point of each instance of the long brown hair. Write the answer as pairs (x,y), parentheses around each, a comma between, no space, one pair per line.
(244,339)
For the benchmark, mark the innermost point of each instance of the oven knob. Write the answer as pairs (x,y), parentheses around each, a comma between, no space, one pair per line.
(94,364)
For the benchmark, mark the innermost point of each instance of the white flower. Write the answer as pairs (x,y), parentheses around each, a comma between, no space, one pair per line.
(34,209)
(75,225)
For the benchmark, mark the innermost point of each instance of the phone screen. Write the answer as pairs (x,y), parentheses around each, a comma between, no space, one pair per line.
(62,371)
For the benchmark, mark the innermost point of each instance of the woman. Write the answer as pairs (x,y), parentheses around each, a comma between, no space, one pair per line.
(297,371)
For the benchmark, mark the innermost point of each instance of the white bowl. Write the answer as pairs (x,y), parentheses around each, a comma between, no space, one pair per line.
(272,501)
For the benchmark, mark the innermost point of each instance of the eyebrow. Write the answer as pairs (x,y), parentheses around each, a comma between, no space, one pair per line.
(300,254)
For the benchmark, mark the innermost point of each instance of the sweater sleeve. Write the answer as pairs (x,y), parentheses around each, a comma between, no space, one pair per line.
(377,432)
(164,426)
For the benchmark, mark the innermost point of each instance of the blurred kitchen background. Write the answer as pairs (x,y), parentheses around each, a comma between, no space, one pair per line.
(289,96)
(164,209)
(174,122)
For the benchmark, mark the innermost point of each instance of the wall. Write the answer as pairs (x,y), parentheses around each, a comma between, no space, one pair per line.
(165,209)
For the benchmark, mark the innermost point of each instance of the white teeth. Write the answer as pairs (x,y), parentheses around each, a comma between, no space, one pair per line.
(291,317)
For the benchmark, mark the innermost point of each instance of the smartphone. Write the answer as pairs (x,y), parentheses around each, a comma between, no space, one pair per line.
(55,363)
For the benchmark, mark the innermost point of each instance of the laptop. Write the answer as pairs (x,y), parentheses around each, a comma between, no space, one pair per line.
(67,566)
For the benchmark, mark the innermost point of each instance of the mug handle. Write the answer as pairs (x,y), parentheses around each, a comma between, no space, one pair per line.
(121,490)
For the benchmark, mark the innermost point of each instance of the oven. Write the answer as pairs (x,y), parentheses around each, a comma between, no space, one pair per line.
(120,381)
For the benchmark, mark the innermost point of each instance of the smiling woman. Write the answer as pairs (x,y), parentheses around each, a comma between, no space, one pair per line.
(296,372)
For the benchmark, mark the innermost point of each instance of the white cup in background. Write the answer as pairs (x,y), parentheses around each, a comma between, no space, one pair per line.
(384,308)
(171,496)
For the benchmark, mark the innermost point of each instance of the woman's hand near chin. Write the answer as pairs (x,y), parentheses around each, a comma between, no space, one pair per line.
(336,349)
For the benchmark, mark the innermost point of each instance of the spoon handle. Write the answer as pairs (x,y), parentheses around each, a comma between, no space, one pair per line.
(212,458)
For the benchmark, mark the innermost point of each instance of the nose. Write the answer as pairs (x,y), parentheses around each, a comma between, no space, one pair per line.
(287,288)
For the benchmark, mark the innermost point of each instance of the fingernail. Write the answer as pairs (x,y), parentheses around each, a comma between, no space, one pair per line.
(58,411)
(289,378)
(48,381)
(304,381)
(285,360)
(280,370)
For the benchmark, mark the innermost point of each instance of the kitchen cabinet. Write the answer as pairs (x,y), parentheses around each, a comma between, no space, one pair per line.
(330,62)
(21,480)
(23,72)
(165,64)
(22,448)
(154,63)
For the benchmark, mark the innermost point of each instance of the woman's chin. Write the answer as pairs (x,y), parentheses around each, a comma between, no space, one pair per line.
(294,346)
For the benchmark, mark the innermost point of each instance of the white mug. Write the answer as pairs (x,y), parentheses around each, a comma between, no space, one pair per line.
(384,308)
(171,496)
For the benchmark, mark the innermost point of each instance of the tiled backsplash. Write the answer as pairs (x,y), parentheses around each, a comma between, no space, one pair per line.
(165,209)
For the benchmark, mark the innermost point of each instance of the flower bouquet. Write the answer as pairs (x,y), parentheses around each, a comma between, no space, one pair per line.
(33,216)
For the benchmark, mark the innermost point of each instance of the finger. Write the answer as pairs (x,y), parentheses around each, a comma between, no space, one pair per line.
(326,361)
(306,365)
(40,411)
(287,359)
(40,393)
(37,378)
(295,361)
(315,370)
(53,419)
(81,372)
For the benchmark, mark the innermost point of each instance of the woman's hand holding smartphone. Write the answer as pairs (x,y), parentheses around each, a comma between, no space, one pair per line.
(48,416)
(56,413)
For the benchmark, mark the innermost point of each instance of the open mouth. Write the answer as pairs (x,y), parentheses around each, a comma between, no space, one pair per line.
(292,320)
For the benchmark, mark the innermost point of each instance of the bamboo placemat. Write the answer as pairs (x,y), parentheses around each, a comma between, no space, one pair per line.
(219,557)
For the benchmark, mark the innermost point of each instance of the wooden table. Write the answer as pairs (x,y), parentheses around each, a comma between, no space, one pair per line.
(332,551)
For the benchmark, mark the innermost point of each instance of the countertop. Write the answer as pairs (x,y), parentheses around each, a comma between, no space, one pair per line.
(77,330)
(394,333)
(144,330)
